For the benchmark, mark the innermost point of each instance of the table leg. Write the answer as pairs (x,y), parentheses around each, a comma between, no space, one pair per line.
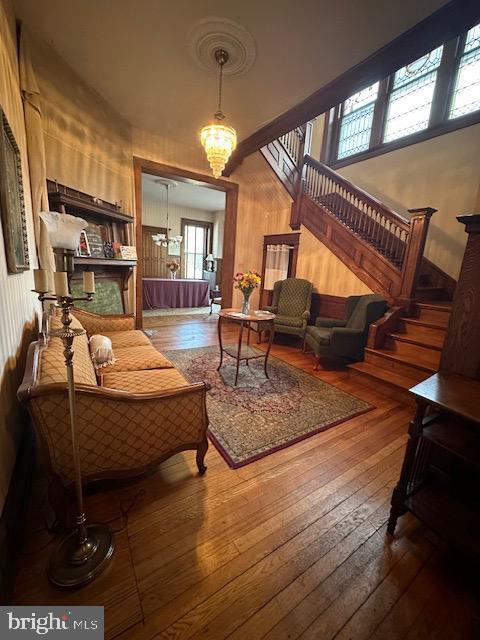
(270,340)
(239,351)
(248,343)
(219,331)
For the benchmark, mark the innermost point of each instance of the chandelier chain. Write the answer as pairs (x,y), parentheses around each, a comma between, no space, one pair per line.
(220,87)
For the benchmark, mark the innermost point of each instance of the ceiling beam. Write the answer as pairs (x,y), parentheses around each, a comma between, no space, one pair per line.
(447,22)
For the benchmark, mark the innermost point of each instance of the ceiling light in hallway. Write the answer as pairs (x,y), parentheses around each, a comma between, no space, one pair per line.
(218,139)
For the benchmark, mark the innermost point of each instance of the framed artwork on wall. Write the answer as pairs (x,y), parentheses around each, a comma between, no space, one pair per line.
(12,202)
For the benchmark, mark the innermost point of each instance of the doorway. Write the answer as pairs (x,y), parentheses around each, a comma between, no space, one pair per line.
(185,235)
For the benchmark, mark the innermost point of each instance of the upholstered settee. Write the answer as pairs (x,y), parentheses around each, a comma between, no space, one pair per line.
(135,414)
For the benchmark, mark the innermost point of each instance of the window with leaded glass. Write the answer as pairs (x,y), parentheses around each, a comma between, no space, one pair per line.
(466,92)
(356,122)
(411,97)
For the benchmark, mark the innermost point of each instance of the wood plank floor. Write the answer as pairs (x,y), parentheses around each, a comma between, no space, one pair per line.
(291,546)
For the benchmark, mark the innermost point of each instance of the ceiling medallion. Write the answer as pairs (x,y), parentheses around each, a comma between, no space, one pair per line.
(212,34)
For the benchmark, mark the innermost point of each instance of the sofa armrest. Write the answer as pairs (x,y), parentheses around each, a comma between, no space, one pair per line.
(329,322)
(94,323)
(270,308)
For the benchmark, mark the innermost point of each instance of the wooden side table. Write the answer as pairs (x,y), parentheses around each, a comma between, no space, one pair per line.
(445,497)
(245,351)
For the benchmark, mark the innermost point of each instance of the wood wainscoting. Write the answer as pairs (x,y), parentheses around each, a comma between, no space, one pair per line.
(327,307)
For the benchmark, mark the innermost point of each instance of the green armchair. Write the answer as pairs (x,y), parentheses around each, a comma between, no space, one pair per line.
(291,303)
(346,338)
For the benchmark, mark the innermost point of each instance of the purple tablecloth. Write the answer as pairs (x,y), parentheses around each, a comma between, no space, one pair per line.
(161,293)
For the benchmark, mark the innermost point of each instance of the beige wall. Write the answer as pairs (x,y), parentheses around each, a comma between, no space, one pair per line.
(88,146)
(17,304)
(327,272)
(444,173)
(154,215)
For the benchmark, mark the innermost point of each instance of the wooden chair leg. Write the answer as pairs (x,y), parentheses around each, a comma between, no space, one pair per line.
(201,451)
(316,366)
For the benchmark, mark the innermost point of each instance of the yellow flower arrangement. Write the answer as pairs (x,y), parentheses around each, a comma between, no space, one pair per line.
(247,281)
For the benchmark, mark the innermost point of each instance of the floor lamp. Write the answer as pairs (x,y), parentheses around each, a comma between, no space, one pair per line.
(85,552)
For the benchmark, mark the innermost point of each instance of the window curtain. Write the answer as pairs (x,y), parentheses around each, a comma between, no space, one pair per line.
(36,153)
(276,264)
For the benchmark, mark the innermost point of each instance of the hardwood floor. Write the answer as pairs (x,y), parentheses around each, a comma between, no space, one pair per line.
(291,546)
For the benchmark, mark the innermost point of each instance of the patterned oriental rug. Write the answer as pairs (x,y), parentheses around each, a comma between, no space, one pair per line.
(260,415)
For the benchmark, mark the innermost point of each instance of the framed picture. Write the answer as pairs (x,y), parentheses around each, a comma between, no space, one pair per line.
(97,234)
(83,245)
(12,203)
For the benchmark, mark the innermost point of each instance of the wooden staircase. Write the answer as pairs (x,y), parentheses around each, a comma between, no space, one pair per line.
(408,350)
(385,250)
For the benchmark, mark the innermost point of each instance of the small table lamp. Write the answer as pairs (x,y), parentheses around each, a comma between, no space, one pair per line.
(84,553)
(210,260)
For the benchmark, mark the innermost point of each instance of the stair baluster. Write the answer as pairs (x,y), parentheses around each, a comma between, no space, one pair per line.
(399,241)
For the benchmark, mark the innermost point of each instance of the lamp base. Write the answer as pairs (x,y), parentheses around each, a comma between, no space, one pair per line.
(64,570)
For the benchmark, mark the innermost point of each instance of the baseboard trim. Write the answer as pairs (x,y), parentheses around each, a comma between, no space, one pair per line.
(12,520)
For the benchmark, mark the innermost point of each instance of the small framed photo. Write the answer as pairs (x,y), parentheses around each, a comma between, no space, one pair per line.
(128,252)
(83,246)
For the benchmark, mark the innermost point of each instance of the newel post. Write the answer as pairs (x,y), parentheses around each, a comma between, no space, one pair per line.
(419,223)
(295,212)
(461,350)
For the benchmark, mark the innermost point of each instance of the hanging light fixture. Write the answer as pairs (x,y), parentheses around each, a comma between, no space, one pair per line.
(164,239)
(219,140)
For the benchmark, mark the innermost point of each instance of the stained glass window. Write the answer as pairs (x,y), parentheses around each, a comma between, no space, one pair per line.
(411,96)
(466,92)
(356,122)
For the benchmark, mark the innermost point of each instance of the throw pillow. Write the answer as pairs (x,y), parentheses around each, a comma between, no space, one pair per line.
(101,351)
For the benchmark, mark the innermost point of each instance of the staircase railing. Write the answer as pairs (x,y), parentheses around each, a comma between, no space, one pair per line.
(400,241)
(294,142)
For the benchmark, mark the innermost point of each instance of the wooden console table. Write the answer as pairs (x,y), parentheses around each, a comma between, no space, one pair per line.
(244,351)
(441,470)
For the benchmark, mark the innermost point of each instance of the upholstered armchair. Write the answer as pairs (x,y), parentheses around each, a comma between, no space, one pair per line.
(291,303)
(346,338)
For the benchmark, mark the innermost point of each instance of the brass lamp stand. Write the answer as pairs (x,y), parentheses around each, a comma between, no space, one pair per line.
(85,552)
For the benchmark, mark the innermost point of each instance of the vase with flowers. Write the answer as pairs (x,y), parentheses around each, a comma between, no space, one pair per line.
(173,266)
(247,282)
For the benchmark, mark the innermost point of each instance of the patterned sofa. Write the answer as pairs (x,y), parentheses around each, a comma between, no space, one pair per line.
(138,412)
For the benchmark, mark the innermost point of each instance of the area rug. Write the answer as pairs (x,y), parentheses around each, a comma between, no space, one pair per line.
(260,416)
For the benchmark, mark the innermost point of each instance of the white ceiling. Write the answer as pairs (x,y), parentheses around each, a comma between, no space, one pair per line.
(135,53)
(194,196)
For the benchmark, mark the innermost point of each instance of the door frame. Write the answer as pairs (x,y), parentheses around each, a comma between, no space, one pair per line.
(142,165)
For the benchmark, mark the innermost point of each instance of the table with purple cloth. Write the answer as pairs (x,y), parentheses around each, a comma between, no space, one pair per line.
(164,293)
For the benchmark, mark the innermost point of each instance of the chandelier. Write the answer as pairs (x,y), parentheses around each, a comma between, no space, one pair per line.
(219,140)
(164,239)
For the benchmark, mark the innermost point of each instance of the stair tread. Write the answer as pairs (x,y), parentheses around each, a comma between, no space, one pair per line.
(392,355)
(423,323)
(431,342)
(437,305)
(385,375)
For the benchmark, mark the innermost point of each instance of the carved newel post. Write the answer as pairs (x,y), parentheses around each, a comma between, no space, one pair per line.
(461,351)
